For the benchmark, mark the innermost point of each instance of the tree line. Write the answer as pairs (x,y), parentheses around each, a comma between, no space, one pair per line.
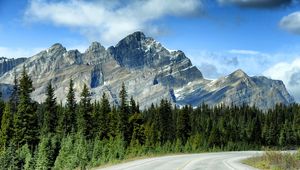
(85,133)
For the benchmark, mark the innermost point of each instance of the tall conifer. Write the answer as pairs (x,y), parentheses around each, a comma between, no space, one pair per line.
(25,119)
(6,126)
(50,116)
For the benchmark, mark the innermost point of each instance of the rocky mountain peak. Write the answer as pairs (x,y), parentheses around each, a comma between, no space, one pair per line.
(137,36)
(56,48)
(138,51)
(132,41)
(238,74)
(95,47)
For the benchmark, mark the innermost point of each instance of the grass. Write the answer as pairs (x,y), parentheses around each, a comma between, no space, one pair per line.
(272,160)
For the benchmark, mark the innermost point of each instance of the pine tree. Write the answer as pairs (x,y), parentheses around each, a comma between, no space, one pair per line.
(296,125)
(69,118)
(82,152)
(98,155)
(113,123)
(25,119)
(156,127)
(133,106)
(2,105)
(103,121)
(6,127)
(8,158)
(166,122)
(124,114)
(43,154)
(214,137)
(151,135)
(183,124)
(65,158)
(50,116)
(138,130)
(84,116)
(24,157)
(14,98)
(96,119)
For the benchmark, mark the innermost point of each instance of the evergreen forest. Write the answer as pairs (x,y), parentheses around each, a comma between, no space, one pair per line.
(85,133)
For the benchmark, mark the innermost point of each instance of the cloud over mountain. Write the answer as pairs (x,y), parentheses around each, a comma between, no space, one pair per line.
(109,21)
(289,73)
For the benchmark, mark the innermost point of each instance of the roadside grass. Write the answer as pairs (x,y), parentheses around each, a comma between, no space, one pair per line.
(275,160)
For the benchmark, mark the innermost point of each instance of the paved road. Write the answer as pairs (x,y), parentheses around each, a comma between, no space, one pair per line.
(206,161)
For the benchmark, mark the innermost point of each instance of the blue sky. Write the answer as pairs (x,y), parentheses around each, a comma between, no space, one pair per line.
(261,37)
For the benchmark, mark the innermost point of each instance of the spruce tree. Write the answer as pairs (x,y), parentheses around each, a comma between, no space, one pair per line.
(138,130)
(14,98)
(2,105)
(296,125)
(183,124)
(103,117)
(166,122)
(84,116)
(25,158)
(43,154)
(6,127)
(25,119)
(65,158)
(133,106)
(96,119)
(69,118)
(113,123)
(8,158)
(154,130)
(124,114)
(50,116)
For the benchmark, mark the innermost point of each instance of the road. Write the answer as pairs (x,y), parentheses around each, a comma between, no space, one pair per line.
(206,161)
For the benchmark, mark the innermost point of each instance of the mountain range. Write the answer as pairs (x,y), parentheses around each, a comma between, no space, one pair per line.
(150,72)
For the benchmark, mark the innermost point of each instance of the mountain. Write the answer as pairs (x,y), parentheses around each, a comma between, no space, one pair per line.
(7,64)
(150,72)
(236,89)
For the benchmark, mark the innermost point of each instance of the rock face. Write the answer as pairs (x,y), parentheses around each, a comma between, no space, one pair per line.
(236,89)
(7,64)
(150,73)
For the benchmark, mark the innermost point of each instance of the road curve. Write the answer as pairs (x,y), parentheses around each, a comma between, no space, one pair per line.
(207,161)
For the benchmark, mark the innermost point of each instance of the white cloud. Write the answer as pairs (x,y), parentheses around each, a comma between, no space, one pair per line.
(216,64)
(289,73)
(108,21)
(255,63)
(18,52)
(291,22)
(244,52)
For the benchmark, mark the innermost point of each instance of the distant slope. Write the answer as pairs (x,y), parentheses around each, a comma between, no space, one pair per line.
(7,64)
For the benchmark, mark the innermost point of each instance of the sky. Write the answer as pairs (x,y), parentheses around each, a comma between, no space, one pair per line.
(262,37)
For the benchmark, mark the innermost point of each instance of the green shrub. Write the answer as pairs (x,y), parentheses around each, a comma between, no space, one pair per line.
(275,160)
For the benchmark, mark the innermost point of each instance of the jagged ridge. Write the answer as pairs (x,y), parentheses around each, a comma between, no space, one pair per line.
(7,64)
(150,72)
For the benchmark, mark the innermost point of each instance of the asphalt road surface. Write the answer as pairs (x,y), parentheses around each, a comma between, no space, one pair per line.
(206,161)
